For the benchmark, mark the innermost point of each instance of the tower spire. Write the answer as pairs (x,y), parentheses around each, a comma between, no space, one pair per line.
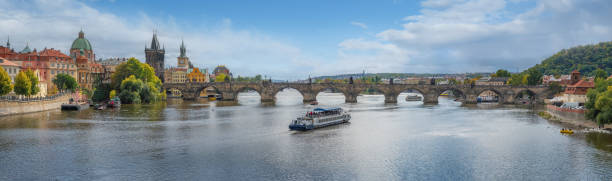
(8,42)
(155,42)
(183,50)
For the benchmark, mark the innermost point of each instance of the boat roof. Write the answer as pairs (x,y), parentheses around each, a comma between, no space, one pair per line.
(328,109)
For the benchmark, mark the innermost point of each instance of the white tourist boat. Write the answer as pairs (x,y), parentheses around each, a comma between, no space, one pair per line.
(320,117)
(413,98)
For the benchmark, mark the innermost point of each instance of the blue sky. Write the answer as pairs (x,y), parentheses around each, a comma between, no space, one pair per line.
(294,39)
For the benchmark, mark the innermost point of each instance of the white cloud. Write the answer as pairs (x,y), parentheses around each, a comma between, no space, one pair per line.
(483,35)
(359,24)
(445,36)
(55,24)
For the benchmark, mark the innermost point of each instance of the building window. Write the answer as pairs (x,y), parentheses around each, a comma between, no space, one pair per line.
(52,72)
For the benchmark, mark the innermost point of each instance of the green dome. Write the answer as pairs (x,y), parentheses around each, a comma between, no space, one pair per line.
(81,42)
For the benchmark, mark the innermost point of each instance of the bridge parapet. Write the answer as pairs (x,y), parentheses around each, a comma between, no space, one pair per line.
(309,91)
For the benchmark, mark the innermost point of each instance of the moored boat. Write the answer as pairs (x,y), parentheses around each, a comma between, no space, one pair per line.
(114,102)
(567,131)
(320,117)
(413,98)
(73,105)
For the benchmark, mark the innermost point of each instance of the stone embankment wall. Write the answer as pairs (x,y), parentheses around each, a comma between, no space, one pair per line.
(21,107)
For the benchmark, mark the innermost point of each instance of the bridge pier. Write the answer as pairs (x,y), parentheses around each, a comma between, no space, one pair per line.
(350,98)
(391,98)
(430,98)
(267,98)
(309,97)
(470,99)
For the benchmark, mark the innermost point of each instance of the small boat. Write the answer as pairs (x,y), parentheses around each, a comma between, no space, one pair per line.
(567,131)
(413,98)
(74,106)
(114,102)
(218,97)
(320,117)
(314,103)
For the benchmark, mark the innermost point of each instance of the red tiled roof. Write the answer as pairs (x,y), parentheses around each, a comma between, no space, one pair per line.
(5,62)
(575,71)
(52,53)
(5,50)
(583,83)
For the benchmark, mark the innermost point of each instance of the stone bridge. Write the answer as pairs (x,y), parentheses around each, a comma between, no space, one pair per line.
(467,94)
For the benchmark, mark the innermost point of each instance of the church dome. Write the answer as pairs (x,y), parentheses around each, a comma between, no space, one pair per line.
(221,69)
(81,42)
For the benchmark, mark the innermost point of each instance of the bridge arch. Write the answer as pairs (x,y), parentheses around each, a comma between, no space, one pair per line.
(283,95)
(525,96)
(283,88)
(372,93)
(458,93)
(206,89)
(487,97)
(403,93)
(321,95)
(174,93)
(246,89)
(244,95)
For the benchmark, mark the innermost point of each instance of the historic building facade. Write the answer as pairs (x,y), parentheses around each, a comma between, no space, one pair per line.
(84,57)
(576,91)
(155,57)
(196,76)
(11,68)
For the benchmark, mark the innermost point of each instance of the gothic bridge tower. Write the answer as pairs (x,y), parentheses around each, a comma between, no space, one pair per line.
(155,57)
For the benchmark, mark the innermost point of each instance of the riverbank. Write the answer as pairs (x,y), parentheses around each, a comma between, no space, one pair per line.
(572,118)
(22,107)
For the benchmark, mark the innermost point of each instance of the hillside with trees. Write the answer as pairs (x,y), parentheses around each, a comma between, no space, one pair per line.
(585,59)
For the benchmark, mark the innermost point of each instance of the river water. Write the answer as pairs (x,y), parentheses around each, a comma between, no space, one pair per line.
(250,141)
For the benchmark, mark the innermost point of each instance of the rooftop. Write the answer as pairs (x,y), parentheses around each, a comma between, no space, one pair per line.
(5,62)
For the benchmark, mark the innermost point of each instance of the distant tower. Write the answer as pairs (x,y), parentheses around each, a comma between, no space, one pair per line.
(575,77)
(8,42)
(155,57)
(183,60)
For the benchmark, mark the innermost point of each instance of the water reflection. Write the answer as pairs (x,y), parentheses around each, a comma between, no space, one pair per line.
(187,140)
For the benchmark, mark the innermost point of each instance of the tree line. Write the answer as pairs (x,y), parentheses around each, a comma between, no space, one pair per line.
(26,83)
(586,59)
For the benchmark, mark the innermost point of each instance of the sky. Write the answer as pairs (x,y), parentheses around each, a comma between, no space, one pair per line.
(290,40)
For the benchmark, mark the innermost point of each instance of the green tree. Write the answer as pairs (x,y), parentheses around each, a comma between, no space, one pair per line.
(600,74)
(133,66)
(131,71)
(516,79)
(502,73)
(587,59)
(5,82)
(534,77)
(65,82)
(599,102)
(34,89)
(130,90)
(555,88)
(101,93)
(112,94)
(22,84)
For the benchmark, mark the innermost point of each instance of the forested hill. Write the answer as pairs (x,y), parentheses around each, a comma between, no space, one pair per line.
(585,59)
